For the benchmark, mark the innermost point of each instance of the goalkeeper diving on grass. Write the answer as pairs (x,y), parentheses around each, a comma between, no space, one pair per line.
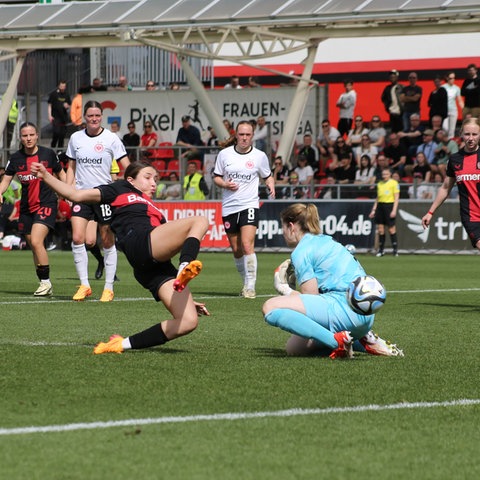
(318,315)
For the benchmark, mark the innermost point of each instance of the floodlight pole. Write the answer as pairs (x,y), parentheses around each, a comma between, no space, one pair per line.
(297,108)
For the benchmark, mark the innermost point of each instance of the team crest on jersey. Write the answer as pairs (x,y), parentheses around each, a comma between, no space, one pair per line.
(99,147)
(249,164)
(76,208)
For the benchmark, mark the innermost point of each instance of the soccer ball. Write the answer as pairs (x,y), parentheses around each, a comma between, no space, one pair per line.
(366,295)
(351,248)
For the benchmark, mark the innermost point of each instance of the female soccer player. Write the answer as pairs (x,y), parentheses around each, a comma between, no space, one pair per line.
(463,169)
(149,244)
(237,170)
(319,316)
(38,204)
(91,153)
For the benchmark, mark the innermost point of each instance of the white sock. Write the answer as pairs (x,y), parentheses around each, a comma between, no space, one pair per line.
(126,344)
(250,271)
(110,259)
(240,264)
(80,257)
(181,267)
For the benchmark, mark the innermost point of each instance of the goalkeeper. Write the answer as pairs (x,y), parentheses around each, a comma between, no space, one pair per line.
(319,316)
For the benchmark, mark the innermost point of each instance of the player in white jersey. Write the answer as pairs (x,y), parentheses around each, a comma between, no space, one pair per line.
(238,170)
(90,154)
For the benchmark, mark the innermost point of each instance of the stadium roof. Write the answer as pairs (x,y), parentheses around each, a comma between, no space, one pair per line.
(259,28)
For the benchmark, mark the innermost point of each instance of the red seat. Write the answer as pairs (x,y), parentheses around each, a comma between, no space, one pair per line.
(160,166)
(164,152)
(174,166)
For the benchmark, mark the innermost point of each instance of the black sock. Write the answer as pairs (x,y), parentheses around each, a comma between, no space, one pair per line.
(96,253)
(381,245)
(394,241)
(43,272)
(190,250)
(150,337)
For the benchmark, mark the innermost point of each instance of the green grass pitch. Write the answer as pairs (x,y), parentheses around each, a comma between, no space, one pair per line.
(225,402)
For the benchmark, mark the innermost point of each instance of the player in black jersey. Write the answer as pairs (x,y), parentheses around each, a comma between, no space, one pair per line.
(149,243)
(38,204)
(463,168)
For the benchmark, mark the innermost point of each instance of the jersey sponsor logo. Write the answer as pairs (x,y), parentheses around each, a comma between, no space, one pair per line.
(99,147)
(240,176)
(26,178)
(468,177)
(90,161)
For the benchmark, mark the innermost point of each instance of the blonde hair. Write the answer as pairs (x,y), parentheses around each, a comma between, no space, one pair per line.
(470,121)
(305,215)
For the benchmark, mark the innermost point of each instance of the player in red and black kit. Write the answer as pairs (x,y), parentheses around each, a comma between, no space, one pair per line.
(463,168)
(149,243)
(38,204)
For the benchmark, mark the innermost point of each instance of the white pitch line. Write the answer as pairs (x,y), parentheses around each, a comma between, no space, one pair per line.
(294,412)
(46,301)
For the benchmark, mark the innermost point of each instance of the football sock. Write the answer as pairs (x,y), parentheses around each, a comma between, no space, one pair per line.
(80,257)
(393,237)
(381,240)
(299,324)
(250,270)
(240,264)
(148,338)
(190,250)
(110,258)
(95,251)
(43,272)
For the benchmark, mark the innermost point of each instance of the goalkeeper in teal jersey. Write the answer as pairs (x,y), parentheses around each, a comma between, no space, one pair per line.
(319,316)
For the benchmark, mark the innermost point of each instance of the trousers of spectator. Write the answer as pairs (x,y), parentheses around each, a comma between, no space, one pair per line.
(344,126)
(58,134)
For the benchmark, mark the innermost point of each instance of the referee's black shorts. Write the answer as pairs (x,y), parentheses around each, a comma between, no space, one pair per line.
(382,214)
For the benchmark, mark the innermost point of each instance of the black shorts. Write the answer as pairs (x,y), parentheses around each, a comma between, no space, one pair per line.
(382,215)
(473,231)
(235,221)
(150,273)
(100,213)
(46,215)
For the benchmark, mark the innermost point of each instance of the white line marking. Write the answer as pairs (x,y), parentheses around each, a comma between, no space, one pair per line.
(46,301)
(234,416)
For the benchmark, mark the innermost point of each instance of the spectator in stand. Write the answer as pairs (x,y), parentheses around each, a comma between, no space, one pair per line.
(229,127)
(344,170)
(377,133)
(454,101)
(428,147)
(279,171)
(173,86)
(122,85)
(97,85)
(445,148)
(76,109)
(329,191)
(212,140)
(326,140)
(309,151)
(304,171)
(253,82)
(260,136)
(131,140)
(365,176)
(189,136)
(438,100)
(382,164)
(150,86)
(437,122)
(174,188)
(295,190)
(148,141)
(422,169)
(346,103)
(411,97)
(471,92)
(234,83)
(115,128)
(365,148)
(58,104)
(354,137)
(396,153)
(341,149)
(392,100)
(413,138)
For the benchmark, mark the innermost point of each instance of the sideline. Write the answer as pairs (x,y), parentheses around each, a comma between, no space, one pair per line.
(294,412)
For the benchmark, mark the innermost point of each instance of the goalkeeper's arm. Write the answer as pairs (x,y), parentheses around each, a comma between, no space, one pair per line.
(284,279)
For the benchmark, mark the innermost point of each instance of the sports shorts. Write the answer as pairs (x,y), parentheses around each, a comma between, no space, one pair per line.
(100,213)
(150,273)
(473,231)
(382,215)
(234,222)
(45,215)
